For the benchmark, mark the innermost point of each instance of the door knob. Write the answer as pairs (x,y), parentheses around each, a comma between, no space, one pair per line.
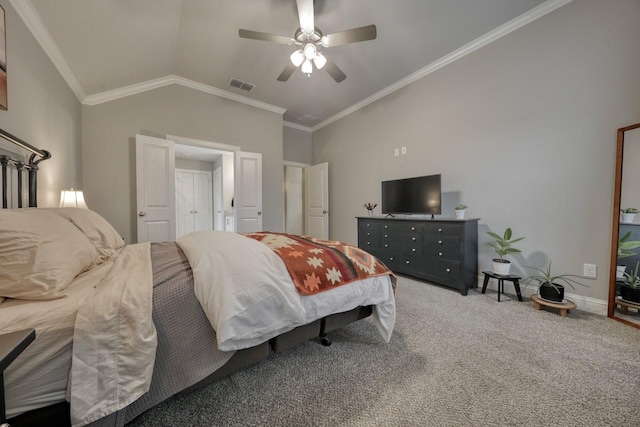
(259,212)
(324,212)
(141,214)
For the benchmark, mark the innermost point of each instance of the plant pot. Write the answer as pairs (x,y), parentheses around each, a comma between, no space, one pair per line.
(630,294)
(620,269)
(628,217)
(501,266)
(370,212)
(460,213)
(550,293)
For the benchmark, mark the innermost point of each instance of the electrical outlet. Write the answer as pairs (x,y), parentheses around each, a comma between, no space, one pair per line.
(589,271)
(396,152)
(404,150)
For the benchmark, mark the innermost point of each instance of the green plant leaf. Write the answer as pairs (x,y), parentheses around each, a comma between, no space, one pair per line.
(507,234)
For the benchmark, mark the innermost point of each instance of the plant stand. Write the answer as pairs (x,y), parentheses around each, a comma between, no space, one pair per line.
(564,307)
(626,305)
(501,278)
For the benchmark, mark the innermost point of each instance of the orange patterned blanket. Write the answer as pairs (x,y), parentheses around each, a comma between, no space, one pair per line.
(317,265)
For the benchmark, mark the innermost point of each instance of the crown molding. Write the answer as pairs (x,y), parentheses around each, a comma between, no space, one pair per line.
(123,92)
(508,27)
(34,23)
(296,126)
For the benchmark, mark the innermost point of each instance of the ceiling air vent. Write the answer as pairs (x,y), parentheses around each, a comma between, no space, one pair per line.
(308,118)
(239,84)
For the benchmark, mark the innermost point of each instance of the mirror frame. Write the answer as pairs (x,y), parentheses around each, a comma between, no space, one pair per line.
(615,229)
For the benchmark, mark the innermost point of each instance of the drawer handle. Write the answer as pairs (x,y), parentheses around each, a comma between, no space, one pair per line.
(439,230)
(413,250)
(386,235)
(448,270)
(413,229)
(439,253)
(407,261)
(439,242)
(391,259)
(368,243)
(386,226)
(386,246)
(413,238)
(368,234)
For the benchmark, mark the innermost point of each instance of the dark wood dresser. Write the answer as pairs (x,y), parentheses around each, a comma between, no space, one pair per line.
(444,251)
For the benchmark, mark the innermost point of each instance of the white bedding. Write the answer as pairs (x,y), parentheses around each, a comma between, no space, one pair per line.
(50,354)
(99,341)
(248,296)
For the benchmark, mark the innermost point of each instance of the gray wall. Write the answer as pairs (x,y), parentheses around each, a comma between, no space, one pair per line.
(522,130)
(297,145)
(108,154)
(43,111)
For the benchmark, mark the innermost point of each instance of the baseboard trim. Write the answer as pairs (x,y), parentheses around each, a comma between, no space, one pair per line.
(590,305)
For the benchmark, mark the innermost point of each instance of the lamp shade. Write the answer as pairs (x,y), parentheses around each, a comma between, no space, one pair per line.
(307,68)
(320,61)
(72,199)
(297,57)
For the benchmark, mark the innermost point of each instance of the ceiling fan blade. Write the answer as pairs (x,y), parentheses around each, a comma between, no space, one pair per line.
(305,13)
(257,35)
(286,73)
(335,72)
(353,35)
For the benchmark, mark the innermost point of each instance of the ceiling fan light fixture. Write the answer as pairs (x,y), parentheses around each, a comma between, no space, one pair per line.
(320,60)
(324,41)
(297,57)
(307,68)
(310,51)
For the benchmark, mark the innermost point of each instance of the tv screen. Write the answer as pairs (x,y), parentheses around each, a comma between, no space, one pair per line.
(419,195)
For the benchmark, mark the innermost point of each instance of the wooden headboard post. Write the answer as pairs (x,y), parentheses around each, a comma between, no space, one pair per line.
(37,155)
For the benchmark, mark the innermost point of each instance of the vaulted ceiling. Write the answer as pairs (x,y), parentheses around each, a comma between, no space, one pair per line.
(108,45)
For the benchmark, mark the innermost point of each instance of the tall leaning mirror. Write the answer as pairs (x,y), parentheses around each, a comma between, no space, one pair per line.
(624,285)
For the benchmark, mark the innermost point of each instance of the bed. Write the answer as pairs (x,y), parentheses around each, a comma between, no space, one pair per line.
(83,290)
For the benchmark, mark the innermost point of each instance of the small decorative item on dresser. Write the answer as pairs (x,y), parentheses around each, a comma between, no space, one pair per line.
(628,214)
(370,207)
(460,210)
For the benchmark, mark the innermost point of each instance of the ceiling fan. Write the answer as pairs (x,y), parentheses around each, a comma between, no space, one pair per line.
(310,41)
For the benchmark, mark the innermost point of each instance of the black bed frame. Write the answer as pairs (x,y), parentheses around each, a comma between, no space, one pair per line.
(37,155)
(58,414)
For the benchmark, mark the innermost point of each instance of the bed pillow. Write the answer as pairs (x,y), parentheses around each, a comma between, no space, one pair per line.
(100,233)
(40,253)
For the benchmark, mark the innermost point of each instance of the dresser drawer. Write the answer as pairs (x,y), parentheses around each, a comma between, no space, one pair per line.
(446,272)
(368,225)
(368,239)
(442,247)
(443,229)
(401,242)
(400,227)
(399,262)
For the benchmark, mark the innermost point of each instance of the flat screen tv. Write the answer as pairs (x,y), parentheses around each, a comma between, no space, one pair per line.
(419,195)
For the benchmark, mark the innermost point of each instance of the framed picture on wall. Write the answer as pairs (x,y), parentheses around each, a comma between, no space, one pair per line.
(3,61)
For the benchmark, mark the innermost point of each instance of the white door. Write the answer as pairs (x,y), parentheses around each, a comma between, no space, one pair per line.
(184,203)
(218,204)
(202,201)
(316,196)
(248,192)
(193,201)
(155,186)
(293,200)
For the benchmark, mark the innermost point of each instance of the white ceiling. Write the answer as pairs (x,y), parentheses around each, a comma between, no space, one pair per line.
(110,44)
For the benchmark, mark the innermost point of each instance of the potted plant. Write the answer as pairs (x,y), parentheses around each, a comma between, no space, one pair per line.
(503,247)
(460,211)
(370,207)
(628,214)
(625,247)
(630,286)
(550,287)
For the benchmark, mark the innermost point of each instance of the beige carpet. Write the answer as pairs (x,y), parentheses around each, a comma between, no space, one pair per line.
(453,360)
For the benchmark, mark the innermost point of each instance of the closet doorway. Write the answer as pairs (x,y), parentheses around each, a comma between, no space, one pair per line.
(194,201)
